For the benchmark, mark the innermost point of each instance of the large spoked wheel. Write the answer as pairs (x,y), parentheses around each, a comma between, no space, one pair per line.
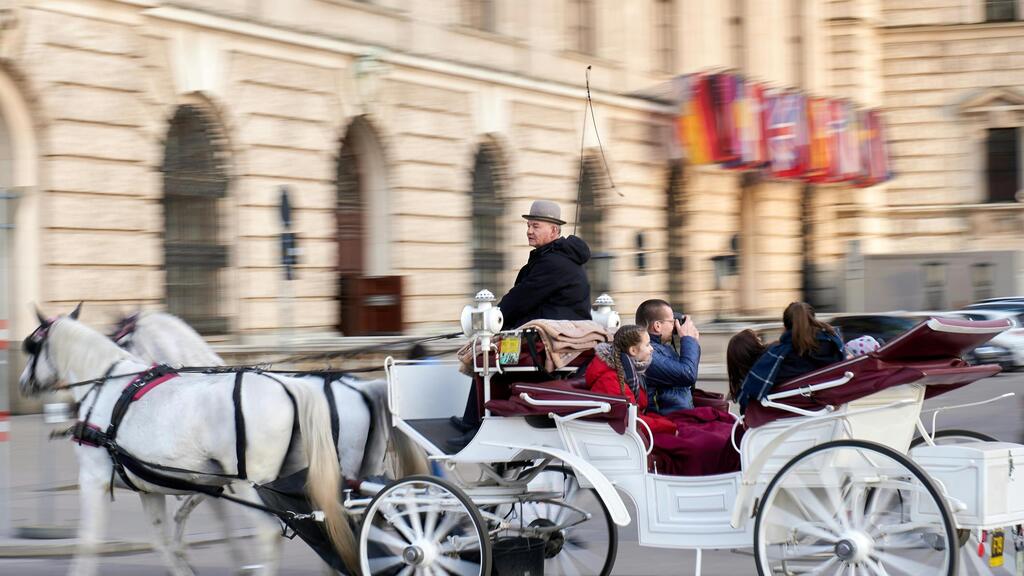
(843,508)
(954,436)
(423,525)
(581,537)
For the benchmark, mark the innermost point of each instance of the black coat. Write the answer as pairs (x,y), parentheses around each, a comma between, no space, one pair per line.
(553,285)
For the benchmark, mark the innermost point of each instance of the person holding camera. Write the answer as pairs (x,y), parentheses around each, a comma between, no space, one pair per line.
(672,373)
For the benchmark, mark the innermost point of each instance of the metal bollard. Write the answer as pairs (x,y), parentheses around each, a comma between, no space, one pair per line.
(46,528)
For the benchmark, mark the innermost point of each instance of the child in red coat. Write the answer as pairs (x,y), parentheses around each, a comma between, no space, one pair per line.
(617,369)
(692,442)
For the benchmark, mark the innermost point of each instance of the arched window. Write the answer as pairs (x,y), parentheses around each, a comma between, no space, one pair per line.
(592,226)
(195,179)
(675,196)
(488,216)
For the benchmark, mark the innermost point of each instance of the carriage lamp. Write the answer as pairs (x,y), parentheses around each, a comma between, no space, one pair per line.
(483,319)
(603,312)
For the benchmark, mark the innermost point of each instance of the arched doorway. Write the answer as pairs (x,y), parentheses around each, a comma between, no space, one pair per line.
(370,300)
(195,255)
(591,225)
(488,219)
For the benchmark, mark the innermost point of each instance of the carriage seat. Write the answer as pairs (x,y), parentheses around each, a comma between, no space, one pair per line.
(565,391)
(930,353)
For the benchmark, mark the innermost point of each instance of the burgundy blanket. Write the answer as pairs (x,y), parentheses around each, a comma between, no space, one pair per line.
(700,448)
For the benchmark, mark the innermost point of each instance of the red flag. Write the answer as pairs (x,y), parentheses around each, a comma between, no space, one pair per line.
(723,99)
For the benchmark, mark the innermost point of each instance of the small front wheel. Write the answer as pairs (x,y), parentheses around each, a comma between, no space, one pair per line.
(843,508)
(423,525)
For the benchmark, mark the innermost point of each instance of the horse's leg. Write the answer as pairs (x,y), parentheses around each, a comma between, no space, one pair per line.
(92,489)
(180,517)
(268,536)
(156,512)
(220,510)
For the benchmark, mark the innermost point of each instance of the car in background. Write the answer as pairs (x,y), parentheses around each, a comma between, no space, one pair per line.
(1012,339)
(884,326)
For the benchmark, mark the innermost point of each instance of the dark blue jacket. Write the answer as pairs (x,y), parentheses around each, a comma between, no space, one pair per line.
(781,363)
(553,285)
(671,375)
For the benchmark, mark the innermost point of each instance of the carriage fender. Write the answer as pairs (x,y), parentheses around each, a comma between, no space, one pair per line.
(604,487)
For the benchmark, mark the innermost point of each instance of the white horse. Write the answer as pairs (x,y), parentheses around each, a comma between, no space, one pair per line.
(189,425)
(364,420)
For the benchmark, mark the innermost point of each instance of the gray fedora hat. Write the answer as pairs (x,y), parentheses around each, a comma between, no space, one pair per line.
(545,211)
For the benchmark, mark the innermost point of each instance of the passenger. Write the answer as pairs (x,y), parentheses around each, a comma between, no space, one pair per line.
(806,345)
(618,369)
(740,355)
(691,442)
(672,374)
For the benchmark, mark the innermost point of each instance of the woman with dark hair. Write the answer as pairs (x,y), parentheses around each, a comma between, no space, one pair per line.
(806,345)
(743,351)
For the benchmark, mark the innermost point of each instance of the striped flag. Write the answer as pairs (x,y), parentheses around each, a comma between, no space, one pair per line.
(786,134)
(696,123)
(818,116)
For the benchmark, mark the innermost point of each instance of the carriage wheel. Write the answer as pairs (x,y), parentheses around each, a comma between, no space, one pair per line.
(954,436)
(423,525)
(838,508)
(588,545)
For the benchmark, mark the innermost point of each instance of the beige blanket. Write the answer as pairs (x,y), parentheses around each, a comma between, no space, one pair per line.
(563,340)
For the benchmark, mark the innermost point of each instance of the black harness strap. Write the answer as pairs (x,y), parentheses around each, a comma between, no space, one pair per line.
(240,438)
(333,405)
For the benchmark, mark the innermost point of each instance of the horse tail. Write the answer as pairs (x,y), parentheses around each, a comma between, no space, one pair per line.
(323,485)
(409,458)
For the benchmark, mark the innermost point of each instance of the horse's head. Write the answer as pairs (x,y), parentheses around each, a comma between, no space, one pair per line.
(40,372)
(125,329)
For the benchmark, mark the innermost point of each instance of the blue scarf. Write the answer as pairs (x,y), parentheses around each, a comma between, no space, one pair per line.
(761,378)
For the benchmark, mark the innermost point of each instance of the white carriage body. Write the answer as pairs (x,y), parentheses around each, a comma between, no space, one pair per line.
(705,512)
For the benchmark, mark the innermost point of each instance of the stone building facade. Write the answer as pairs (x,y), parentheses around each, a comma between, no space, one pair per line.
(145,143)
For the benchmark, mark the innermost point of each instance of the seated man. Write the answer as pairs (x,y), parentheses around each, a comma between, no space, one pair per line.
(672,374)
(552,285)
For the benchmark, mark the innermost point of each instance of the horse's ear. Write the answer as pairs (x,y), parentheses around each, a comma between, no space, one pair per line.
(39,314)
(74,313)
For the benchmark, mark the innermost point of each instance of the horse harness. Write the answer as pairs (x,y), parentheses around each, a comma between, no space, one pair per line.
(89,434)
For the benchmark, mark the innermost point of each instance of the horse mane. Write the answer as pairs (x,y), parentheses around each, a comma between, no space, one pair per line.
(163,337)
(75,345)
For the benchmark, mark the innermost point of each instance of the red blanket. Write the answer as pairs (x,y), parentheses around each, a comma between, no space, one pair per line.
(701,446)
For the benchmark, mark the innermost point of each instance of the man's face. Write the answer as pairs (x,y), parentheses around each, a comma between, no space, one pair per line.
(540,233)
(663,324)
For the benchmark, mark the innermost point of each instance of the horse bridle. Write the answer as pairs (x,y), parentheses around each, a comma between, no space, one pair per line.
(34,343)
(125,330)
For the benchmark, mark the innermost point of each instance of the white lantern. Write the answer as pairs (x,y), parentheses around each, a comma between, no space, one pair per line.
(603,312)
(484,319)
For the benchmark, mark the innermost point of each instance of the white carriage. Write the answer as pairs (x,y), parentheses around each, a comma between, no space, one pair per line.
(829,483)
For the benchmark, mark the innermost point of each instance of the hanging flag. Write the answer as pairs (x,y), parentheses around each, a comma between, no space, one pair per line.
(696,123)
(818,115)
(723,103)
(749,123)
(864,146)
(849,147)
(786,134)
(874,155)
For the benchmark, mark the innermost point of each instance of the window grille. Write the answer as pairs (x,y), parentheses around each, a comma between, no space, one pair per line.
(1003,164)
(981,280)
(195,179)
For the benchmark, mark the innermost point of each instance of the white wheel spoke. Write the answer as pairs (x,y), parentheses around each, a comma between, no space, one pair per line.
(397,520)
(407,571)
(805,497)
(823,567)
(790,521)
(903,564)
(448,523)
(581,554)
(384,563)
(416,522)
(386,538)
(458,566)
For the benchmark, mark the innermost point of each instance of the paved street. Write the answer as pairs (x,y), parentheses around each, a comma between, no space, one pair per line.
(1002,420)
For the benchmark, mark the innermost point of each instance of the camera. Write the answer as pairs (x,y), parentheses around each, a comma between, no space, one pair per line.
(680,317)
